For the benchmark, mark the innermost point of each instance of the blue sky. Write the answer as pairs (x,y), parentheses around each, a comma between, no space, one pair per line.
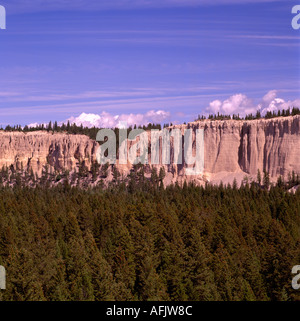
(59,59)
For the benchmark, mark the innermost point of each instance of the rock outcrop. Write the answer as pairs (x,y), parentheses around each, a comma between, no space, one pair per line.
(232,149)
(39,149)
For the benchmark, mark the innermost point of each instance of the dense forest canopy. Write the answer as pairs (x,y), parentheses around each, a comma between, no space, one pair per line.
(174,243)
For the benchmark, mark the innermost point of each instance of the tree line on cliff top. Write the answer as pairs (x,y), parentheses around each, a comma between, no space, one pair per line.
(268,115)
(174,243)
(92,131)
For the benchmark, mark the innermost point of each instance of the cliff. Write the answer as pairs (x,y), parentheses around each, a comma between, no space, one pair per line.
(232,149)
(37,149)
(236,148)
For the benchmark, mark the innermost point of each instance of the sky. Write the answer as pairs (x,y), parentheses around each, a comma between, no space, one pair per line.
(99,62)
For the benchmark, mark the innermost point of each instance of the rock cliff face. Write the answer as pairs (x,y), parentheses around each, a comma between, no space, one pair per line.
(38,149)
(242,147)
(232,149)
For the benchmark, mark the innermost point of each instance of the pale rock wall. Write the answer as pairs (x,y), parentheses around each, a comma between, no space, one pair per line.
(231,149)
(272,145)
(37,149)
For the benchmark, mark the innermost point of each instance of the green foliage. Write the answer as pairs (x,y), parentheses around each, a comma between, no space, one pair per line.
(141,243)
(73,129)
(266,180)
(281,113)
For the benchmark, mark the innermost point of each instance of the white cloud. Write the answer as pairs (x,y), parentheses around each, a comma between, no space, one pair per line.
(236,104)
(107,120)
(33,125)
(242,105)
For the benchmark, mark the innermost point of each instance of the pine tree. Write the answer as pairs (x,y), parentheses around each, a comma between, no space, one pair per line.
(266,180)
(258,177)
